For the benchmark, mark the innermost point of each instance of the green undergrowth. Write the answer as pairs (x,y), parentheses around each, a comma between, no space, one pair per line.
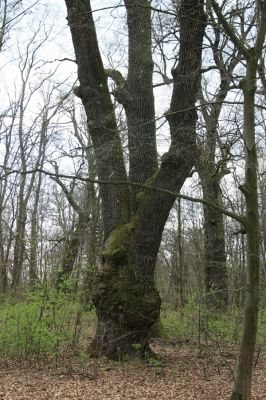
(196,323)
(43,327)
(46,326)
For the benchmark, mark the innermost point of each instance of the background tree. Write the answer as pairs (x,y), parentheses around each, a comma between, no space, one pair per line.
(250,191)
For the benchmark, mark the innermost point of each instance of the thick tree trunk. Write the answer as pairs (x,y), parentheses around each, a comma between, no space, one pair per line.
(127,307)
(126,300)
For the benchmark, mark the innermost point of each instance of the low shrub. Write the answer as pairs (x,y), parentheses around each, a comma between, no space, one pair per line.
(195,322)
(42,327)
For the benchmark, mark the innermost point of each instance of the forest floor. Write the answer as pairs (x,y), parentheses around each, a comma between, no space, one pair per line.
(181,372)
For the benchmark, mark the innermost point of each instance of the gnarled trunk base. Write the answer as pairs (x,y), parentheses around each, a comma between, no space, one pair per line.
(126,308)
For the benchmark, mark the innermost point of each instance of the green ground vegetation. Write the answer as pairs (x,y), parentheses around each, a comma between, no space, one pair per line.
(46,325)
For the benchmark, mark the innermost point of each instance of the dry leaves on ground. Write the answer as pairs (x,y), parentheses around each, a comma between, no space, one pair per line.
(182,374)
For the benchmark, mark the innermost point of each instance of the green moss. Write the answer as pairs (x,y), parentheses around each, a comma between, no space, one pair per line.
(118,245)
(145,195)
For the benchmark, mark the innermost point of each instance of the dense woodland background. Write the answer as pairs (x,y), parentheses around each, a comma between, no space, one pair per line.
(55,230)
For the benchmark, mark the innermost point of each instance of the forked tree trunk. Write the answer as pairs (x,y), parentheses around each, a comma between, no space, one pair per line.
(126,300)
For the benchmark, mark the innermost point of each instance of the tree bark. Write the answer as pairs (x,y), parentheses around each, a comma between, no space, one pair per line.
(139,99)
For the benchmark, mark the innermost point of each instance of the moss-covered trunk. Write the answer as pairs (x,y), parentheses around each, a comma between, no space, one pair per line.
(126,300)
(126,310)
(127,307)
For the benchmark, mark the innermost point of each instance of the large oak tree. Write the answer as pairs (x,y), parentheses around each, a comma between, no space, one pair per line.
(126,300)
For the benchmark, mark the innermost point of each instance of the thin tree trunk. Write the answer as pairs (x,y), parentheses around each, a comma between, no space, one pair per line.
(3,264)
(216,282)
(181,256)
(33,274)
(19,246)
(94,244)
(242,389)
(71,251)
